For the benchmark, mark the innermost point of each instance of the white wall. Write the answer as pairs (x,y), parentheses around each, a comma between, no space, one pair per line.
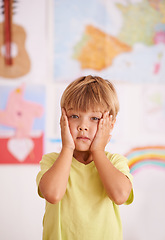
(144,219)
(21,210)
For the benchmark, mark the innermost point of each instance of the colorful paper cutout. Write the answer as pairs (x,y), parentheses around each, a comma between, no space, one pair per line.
(146,157)
(22,144)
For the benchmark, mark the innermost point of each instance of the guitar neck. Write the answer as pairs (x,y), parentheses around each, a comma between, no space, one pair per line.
(7,31)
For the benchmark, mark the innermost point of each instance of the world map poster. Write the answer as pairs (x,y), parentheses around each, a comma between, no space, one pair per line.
(119,39)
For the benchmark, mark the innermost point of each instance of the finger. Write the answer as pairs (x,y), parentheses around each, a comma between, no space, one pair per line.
(110,136)
(100,125)
(63,112)
(105,115)
(106,119)
(111,121)
(107,123)
(111,118)
(63,119)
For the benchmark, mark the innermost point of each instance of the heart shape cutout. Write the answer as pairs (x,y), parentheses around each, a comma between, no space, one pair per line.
(20,148)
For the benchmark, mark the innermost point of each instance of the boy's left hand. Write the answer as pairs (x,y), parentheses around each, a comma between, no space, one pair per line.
(103,134)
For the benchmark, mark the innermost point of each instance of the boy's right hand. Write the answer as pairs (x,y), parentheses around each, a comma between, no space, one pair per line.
(67,140)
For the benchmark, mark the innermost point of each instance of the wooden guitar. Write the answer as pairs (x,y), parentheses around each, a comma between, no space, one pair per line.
(12,34)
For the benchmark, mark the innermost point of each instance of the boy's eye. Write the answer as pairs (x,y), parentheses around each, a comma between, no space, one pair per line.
(73,116)
(95,118)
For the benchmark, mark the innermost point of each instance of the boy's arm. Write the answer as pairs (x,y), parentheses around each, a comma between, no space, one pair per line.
(116,184)
(54,182)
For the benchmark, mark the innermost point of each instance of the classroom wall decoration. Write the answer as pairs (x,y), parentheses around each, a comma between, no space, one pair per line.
(148,156)
(22,76)
(121,39)
(11,34)
(21,124)
(22,41)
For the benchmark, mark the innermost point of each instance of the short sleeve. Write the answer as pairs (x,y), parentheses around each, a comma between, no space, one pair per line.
(46,163)
(121,163)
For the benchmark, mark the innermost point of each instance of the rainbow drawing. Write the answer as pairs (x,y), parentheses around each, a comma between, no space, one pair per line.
(148,156)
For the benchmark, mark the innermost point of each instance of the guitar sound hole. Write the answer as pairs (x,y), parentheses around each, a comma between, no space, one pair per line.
(14,50)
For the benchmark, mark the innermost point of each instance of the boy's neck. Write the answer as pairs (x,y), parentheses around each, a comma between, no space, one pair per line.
(83,157)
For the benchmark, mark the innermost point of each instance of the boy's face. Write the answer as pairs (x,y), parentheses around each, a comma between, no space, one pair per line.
(83,127)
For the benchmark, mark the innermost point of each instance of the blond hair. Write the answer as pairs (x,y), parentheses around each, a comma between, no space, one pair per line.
(91,92)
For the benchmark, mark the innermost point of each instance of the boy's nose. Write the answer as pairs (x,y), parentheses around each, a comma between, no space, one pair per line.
(82,127)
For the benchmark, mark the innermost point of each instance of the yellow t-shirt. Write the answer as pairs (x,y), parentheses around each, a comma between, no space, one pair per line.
(85,212)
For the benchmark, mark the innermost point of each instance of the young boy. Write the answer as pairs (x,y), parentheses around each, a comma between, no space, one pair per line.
(83,185)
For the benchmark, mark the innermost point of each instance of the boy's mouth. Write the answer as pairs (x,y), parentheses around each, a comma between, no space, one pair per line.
(83,138)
